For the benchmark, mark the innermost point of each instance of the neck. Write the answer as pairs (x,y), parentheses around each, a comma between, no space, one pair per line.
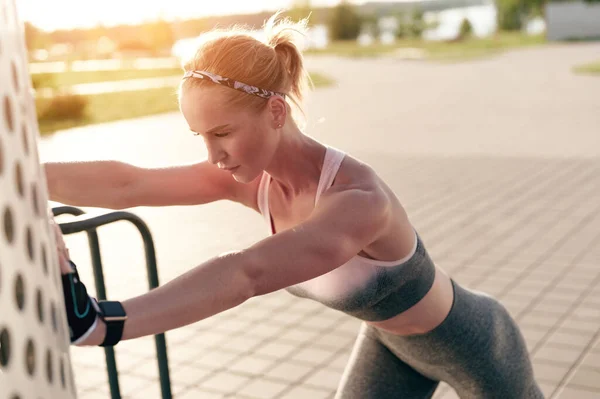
(297,162)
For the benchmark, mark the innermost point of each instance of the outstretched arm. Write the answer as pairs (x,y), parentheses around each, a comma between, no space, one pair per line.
(119,185)
(342,224)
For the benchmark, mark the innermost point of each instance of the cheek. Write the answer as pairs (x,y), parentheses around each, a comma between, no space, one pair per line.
(254,147)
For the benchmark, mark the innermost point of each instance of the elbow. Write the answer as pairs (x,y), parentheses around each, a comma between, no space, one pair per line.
(254,276)
(241,276)
(125,191)
(262,276)
(117,203)
(120,202)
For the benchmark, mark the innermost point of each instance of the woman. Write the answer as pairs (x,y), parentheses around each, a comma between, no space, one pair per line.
(339,236)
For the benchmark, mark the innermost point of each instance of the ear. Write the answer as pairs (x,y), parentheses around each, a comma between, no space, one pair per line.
(277,109)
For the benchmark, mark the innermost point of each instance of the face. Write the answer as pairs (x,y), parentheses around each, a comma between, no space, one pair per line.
(239,140)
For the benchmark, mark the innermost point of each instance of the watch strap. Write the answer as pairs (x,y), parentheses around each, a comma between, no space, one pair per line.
(114,324)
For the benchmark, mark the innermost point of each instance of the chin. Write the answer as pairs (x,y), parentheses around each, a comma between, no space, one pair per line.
(244,178)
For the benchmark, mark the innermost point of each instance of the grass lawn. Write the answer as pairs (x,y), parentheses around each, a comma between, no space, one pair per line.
(592,68)
(62,79)
(113,106)
(72,78)
(125,105)
(434,50)
(320,80)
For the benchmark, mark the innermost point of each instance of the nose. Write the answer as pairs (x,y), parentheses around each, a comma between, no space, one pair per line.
(215,153)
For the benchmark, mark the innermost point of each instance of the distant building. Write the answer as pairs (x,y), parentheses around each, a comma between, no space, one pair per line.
(444,17)
(572,20)
(317,37)
(447,22)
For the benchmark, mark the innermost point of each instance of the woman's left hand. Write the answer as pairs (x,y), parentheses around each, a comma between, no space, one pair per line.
(61,249)
(81,309)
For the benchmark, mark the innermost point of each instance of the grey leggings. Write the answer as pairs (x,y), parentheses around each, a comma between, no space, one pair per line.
(478,350)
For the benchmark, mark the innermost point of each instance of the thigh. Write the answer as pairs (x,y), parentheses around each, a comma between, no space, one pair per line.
(497,360)
(375,372)
(478,350)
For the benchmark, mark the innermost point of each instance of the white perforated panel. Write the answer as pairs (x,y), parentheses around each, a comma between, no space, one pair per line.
(34,346)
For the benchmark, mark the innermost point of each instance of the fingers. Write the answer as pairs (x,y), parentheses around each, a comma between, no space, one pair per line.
(65,266)
(61,249)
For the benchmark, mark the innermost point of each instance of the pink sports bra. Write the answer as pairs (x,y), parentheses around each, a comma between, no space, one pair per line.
(362,287)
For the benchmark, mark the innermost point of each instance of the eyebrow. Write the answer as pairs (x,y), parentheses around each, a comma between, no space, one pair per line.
(216,129)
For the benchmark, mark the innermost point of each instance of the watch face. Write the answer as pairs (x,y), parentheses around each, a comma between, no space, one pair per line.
(112,308)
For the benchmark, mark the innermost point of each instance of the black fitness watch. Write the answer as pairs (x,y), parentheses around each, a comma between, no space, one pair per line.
(114,316)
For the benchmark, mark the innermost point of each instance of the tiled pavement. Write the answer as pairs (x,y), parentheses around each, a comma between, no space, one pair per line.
(524,228)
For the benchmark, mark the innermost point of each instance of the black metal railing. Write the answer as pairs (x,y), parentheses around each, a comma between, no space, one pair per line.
(89,224)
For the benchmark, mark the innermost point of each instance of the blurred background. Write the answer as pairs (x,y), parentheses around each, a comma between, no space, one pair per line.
(483,116)
(87,59)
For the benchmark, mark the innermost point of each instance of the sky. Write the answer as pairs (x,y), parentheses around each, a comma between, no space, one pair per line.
(68,14)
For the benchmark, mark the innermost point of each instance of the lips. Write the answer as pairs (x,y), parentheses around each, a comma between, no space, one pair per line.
(231,168)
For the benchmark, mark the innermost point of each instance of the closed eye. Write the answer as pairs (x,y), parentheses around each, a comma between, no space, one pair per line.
(219,135)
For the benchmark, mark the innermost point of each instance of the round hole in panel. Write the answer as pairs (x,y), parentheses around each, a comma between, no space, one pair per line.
(29,243)
(25,137)
(9,119)
(5,347)
(20,292)
(39,298)
(53,317)
(44,259)
(49,367)
(15,76)
(35,200)
(19,179)
(63,381)
(9,225)
(30,357)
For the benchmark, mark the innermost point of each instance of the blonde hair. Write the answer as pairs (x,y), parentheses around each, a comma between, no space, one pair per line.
(274,63)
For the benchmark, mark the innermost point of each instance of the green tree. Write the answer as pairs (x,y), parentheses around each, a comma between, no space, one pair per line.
(466,29)
(96,32)
(345,23)
(404,25)
(417,24)
(301,9)
(35,38)
(134,44)
(510,14)
(535,7)
(371,24)
(158,35)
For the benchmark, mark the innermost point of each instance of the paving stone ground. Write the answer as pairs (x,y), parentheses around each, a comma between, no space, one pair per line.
(497,162)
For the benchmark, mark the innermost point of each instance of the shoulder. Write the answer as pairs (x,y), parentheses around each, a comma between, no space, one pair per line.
(360,180)
(358,192)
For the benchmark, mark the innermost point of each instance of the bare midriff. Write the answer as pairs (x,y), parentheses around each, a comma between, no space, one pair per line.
(426,314)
